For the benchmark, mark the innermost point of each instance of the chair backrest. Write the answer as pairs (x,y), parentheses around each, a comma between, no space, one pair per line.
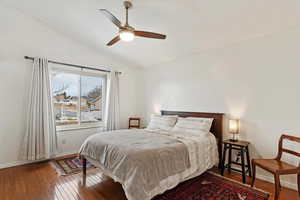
(281,149)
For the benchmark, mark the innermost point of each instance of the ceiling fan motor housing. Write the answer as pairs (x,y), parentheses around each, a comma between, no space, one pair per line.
(127,28)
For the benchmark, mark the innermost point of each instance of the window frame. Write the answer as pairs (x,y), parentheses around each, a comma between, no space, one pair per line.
(82,72)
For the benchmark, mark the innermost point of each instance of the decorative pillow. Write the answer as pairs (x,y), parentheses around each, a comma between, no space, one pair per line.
(162,122)
(193,125)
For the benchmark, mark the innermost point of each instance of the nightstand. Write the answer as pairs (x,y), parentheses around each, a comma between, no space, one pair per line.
(243,150)
(134,122)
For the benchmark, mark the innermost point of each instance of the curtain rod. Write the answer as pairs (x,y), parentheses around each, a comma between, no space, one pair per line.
(72,65)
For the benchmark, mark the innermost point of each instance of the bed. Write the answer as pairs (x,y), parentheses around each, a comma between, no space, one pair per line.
(148,163)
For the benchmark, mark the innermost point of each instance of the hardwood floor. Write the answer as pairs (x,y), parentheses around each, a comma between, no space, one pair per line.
(41,182)
(285,193)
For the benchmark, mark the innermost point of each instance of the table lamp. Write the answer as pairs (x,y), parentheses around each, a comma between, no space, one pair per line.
(234,129)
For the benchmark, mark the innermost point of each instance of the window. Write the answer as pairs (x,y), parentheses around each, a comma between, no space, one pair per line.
(78,98)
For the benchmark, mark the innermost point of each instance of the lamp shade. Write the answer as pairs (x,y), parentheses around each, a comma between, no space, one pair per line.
(234,126)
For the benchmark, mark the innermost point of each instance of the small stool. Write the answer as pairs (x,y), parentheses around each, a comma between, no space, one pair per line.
(242,147)
(134,122)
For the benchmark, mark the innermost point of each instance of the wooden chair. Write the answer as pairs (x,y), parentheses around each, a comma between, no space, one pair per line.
(278,167)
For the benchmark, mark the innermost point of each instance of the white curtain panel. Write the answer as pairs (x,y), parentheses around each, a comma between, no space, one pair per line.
(40,140)
(112,113)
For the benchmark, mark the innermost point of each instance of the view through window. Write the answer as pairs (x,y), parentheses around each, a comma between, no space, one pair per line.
(78,98)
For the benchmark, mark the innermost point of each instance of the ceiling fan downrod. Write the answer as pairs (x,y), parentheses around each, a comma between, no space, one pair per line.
(127,5)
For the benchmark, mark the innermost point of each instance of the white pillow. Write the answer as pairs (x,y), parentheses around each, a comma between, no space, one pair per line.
(193,125)
(162,122)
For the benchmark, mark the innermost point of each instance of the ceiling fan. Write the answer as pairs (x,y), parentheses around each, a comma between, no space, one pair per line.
(127,32)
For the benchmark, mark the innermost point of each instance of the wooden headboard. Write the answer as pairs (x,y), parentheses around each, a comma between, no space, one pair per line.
(216,128)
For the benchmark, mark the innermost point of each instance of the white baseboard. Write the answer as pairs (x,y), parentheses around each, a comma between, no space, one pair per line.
(283,183)
(18,163)
(13,164)
(66,154)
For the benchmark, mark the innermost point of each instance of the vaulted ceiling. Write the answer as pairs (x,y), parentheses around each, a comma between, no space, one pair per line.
(191,25)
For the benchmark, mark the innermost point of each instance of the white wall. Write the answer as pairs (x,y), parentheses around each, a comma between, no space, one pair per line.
(256,81)
(21,35)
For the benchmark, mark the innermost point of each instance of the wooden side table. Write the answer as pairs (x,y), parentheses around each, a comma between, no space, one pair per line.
(134,122)
(243,148)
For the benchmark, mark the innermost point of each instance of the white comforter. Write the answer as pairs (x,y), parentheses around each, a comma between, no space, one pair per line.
(118,159)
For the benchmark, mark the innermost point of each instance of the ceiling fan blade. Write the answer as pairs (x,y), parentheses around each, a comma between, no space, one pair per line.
(111,17)
(113,41)
(149,35)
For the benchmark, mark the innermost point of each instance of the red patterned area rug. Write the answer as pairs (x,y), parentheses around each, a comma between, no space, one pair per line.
(211,186)
(67,166)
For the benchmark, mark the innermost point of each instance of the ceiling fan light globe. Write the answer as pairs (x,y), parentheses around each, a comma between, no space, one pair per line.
(126,36)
